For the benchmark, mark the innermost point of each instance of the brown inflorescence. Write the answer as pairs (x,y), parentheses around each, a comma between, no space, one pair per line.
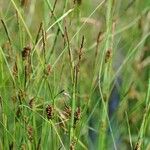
(78,2)
(137,146)
(77,116)
(18,112)
(24,3)
(72,146)
(49,112)
(47,70)
(108,55)
(31,103)
(15,70)
(26,52)
(67,112)
(30,133)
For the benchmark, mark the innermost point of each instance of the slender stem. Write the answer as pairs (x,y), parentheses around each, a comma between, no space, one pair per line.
(106,78)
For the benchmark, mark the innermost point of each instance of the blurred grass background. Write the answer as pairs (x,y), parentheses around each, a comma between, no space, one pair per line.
(74,74)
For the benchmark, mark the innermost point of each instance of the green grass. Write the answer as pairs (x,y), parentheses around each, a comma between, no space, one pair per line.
(74,74)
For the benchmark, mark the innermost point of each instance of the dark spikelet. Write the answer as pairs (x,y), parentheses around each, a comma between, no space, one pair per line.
(49,112)
(138,146)
(67,112)
(47,70)
(26,52)
(81,47)
(72,146)
(77,116)
(30,133)
(11,146)
(18,113)
(21,95)
(24,3)
(31,103)
(79,2)
(98,40)
(27,65)
(15,70)
(108,55)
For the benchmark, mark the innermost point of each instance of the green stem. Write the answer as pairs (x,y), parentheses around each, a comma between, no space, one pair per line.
(106,79)
(73,105)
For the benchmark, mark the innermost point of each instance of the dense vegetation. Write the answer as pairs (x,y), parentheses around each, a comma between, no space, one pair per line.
(74,74)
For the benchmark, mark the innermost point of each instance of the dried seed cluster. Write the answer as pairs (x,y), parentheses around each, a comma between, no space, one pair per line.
(78,2)
(72,146)
(108,55)
(49,112)
(77,116)
(31,103)
(67,112)
(15,70)
(47,70)
(30,133)
(26,52)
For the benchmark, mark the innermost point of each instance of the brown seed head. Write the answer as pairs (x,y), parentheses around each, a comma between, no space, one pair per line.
(31,103)
(49,112)
(77,116)
(24,3)
(30,133)
(108,55)
(47,70)
(72,146)
(138,146)
(67,112)
(26,52)
(18,112)
(78,2)
(15,70)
